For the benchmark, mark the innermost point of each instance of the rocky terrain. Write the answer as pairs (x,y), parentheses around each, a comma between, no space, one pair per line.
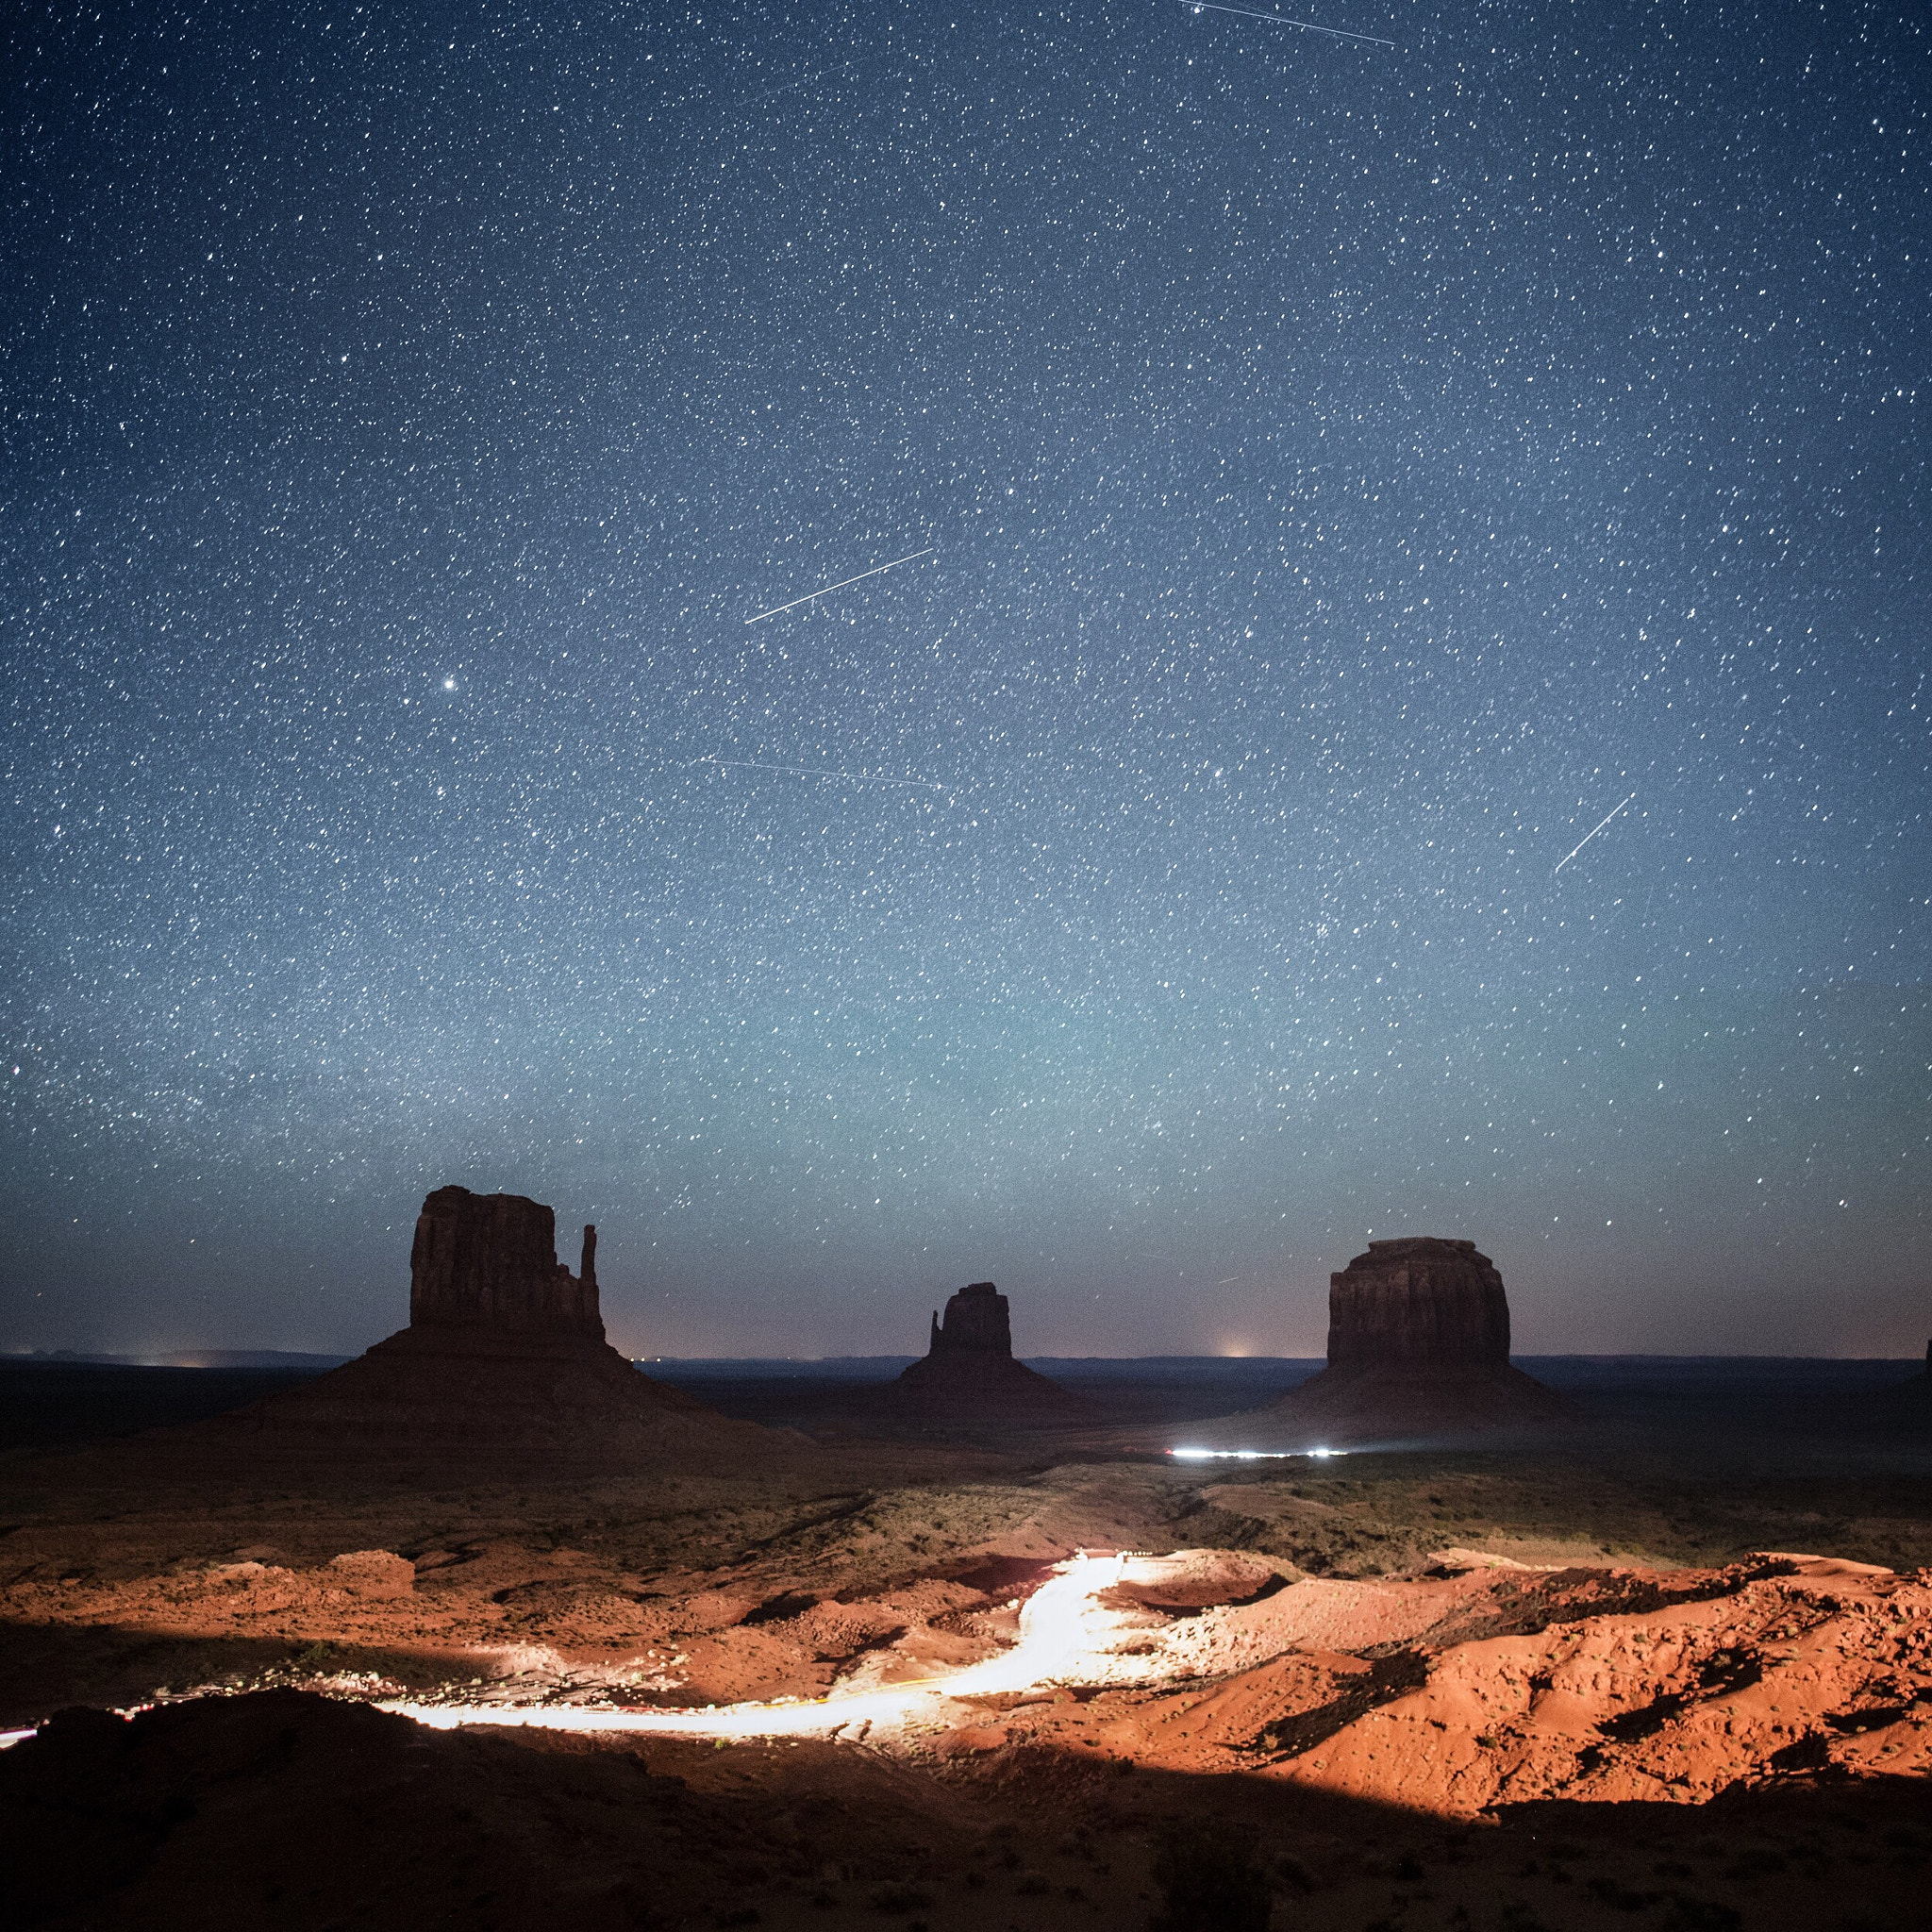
(1420,1685)
(488,1629)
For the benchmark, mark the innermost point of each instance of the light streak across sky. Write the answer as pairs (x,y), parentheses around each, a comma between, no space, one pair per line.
(1589,835)
(878,570)
(1308,26)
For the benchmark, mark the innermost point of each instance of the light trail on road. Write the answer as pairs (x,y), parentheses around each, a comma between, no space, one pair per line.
(1056,1633)
(1062,1628)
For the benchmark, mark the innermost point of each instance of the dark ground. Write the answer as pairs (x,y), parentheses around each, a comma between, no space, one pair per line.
(60,1403)
(1699,1394)
(64,1403)
(291,1810)
(49,1404)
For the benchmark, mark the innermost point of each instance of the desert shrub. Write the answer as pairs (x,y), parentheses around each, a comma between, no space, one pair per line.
(1209,1881)
(898,1898)
(1292,1873)
(1701,1915)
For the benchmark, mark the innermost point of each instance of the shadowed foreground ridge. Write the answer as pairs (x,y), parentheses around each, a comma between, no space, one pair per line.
(1418,1349)
(505,1350)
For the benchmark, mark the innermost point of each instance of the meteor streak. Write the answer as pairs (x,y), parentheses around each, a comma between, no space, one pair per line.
(779,610)
(1308,26)
(1589,835)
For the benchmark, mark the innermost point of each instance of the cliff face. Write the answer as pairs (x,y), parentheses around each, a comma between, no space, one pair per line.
(977,1322)
(1418,1300)
(489,1261)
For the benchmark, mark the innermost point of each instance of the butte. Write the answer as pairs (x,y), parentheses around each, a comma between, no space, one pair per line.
(1418,1350)
(505,1353)
(968,1373)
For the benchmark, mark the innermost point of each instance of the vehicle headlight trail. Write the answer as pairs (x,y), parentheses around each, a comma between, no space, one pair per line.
(1057,1631)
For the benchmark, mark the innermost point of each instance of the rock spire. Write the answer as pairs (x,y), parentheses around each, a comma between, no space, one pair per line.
(979,1321)
(505,1353)
(968,1375)
(1418,1300)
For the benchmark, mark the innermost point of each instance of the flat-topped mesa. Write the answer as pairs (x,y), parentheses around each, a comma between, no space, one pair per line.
(489,1261)
(1418,1350)
(977,1320)
(1419,1299)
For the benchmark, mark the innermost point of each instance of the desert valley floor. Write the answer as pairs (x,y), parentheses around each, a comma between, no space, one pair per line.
(1662,1673)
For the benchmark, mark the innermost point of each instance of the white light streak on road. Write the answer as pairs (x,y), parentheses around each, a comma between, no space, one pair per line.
(1589,835)
(1308,26)
(779,610)
(1059,1627)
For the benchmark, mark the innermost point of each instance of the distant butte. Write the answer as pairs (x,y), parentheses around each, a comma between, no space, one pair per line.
(505,1350)
(967,1371)
(1418,1350)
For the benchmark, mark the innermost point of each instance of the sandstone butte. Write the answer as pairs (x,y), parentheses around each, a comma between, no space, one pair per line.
(967,1371)
(1418,1350)
(505,1351)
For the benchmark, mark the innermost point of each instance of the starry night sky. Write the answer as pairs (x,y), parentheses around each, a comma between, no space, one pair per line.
(1349,471)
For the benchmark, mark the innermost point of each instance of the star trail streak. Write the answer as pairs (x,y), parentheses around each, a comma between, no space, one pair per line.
(1590,835)
(1307,26)
(779,610)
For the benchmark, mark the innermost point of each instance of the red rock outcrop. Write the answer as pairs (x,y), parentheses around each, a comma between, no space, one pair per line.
(505,1350)
(1418,1350)
(489,1261)
(1418,1300)
(979,1319)
(967,1372)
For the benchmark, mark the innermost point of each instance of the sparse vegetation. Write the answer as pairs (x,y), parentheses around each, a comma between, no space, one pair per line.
(1210,1880)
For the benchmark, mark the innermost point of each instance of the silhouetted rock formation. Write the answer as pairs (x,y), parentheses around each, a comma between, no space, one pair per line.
(505,1350)
(489,1261)
(979,1319)
(1912,1397)
(1418,1349)
(1418,1300)
(968,1374)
